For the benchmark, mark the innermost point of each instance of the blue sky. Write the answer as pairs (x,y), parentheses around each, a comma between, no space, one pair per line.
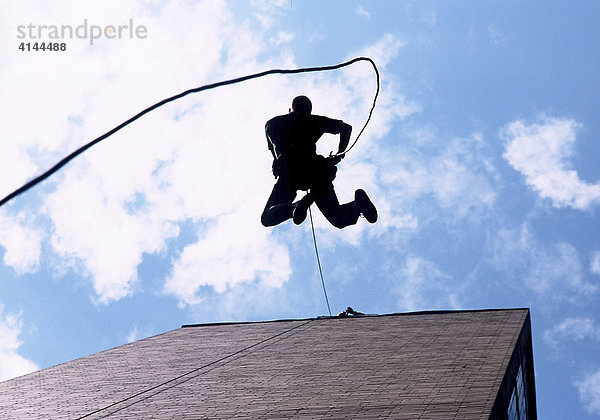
(481,157)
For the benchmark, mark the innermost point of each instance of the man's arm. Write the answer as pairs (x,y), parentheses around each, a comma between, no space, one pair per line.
(329,125)
(270,143)
(345,132)
(275,167)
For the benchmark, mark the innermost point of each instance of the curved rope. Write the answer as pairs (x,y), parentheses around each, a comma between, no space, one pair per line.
(372,106)
(109,133)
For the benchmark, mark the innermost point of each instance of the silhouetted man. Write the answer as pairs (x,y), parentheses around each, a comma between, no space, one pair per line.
(292,140)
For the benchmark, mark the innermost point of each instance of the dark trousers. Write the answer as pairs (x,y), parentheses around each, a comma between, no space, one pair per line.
(280,205)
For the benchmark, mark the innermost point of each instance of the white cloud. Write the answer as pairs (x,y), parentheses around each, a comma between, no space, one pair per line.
(202,160)
(362,12)
(460,177)
(553,272)
(257,300)
(420,285)
(458,181)
(138,333)
(540,151)
(22,243)
(282,38)
(267,11)
(589,392)
(12,364)
(125,197)
(572,329)
(133,335)
(595,264)
(16,163)
(99,232)
(495,35)
(229,252)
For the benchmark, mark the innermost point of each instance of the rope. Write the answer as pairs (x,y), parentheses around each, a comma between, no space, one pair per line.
(312,226)
(193,371)
(372,106)
(109,133)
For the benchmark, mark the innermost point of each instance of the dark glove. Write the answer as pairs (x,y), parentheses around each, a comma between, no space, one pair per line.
(335,159)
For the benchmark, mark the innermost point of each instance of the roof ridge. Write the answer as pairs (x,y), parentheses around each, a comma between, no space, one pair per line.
(325,317)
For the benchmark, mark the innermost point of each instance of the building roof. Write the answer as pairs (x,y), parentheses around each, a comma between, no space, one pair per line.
(430,364)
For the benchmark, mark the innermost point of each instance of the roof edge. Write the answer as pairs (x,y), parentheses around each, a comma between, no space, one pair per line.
(431,312)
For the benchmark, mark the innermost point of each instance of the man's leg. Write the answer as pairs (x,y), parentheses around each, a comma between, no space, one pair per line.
(279,207)
(342,215)
(339,215)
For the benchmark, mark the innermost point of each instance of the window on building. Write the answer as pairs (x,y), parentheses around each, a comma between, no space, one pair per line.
(517,408)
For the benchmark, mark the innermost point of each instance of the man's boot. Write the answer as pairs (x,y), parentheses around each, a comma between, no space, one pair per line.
(365,206)
(301,207)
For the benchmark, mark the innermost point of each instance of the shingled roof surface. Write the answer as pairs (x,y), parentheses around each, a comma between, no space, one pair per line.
(425,365)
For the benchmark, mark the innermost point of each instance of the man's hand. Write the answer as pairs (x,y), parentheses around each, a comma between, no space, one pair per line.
(335,159)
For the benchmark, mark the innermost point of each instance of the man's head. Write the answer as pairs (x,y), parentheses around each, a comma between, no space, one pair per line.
(302,105)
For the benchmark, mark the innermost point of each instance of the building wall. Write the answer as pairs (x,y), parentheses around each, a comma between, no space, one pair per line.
(516,397)
(434,365)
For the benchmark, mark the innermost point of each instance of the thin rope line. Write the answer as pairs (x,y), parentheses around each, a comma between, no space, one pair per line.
(312,226)
(372,106)
(194,370)
(109,133)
